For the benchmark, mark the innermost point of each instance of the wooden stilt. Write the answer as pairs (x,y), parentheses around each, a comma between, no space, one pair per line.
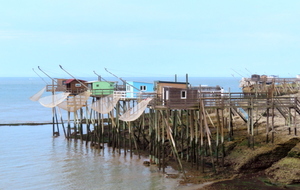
(268,125)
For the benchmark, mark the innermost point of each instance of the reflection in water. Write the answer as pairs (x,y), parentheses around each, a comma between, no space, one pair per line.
(32,159)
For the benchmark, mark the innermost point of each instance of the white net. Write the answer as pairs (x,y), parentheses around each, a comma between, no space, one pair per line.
(53,100)
(73,103)
(106,104)
(246,82)
(136,111)
(38,95)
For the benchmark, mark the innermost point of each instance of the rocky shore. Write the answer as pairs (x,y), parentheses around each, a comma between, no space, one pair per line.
(267,165)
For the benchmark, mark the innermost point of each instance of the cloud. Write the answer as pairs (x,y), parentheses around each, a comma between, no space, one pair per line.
(8,35)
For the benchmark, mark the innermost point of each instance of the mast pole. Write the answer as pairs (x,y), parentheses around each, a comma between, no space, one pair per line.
(73,76)
(39,76)
(53,109)
(47,75)
(122,80)
(99,77)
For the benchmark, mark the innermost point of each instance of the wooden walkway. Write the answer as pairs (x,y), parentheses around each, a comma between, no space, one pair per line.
(194,132)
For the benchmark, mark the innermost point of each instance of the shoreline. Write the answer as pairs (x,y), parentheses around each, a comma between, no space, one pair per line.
(17,124)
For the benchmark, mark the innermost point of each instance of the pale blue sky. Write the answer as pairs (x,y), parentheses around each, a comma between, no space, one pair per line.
(150,38)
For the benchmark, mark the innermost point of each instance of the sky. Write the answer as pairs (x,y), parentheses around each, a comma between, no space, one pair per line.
(149,38)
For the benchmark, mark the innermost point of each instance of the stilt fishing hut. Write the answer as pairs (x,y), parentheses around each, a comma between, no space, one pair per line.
(162,90)
(58,85)
(135,89)
(76,86)
(263,85)
(101,88)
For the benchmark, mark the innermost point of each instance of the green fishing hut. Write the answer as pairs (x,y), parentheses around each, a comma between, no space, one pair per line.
(101,88)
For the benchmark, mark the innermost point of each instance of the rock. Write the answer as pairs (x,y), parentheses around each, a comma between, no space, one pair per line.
(264,157)
(56,134)
(146,163)
(174,176)
(96,146)
(295,152)
(286,171)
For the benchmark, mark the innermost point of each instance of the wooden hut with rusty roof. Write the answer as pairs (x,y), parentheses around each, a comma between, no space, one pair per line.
(76,86)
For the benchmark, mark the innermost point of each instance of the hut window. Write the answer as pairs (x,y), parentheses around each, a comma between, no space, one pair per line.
(77,85)
(97,85)
(183,94)
(143,88)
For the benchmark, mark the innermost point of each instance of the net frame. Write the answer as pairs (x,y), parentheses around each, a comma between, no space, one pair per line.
(38,95)
(136,111)
(53,100)
(106,104)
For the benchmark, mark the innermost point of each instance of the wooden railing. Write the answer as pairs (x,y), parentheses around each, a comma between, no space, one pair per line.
(232,100)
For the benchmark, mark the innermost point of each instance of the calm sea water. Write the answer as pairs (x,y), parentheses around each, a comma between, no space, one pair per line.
(32,159)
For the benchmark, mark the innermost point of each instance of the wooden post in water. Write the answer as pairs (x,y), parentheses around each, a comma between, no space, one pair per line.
(217,136)
(182,132)
(208,136)
(222,137)
(152,134)
(197,137)
(295,119)
(187,135)
(81,124)
(130,138)
(56,121)
(231,124)
(53,110)
(268,125)
(289,120)
(273,113)
(252,127)
(69,125)
(191,135)
(201,116)
(75,124)
(173,144)
(88,123)
(63,125)
(116,131)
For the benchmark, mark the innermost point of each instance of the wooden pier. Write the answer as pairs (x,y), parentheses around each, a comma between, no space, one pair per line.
(173,121)
(194,129)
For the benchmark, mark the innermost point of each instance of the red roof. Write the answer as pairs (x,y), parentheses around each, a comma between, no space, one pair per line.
(71,80)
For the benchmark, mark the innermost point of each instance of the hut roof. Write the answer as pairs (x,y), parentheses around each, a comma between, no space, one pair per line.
(100,81)
(71,80)
(171,82)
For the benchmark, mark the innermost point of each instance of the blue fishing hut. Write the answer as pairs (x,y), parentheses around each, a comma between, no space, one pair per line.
(136,89)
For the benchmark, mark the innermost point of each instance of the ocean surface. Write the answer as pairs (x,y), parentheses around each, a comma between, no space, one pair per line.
(32,159)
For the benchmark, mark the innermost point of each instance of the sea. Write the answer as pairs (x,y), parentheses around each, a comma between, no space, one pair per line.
(31,158)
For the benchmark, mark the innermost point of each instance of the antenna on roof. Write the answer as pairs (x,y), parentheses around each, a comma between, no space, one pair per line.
(99,77)
(73,76)
(39,76)
(47,75)
(122,80)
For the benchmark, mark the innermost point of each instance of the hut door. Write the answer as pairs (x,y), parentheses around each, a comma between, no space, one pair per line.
(165,96)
